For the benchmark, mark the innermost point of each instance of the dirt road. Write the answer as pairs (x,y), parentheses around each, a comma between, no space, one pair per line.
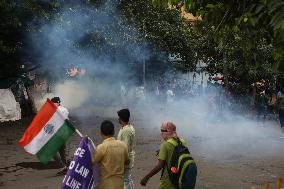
(235,166)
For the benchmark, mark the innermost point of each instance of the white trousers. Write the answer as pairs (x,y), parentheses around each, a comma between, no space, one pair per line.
(128,181)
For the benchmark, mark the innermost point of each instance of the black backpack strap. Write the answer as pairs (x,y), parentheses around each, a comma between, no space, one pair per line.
(165,166)
(163,170)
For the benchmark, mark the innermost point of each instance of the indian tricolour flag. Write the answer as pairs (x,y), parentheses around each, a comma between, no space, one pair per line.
(48,131)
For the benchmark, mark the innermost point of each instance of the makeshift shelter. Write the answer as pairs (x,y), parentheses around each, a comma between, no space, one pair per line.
(9,109)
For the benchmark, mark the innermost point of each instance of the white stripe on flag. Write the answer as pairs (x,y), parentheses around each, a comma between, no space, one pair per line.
(42,137)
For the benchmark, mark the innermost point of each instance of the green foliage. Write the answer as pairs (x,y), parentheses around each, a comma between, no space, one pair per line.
(164,30)
(246,37)
(15,16)
(245,15)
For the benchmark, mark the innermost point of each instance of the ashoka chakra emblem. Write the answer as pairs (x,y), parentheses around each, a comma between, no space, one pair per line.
(49,128)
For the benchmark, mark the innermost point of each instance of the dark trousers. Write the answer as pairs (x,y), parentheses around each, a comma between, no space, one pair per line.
(61,156)
(261,113)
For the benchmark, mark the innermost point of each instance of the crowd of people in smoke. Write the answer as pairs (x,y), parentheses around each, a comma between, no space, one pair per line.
(258,101)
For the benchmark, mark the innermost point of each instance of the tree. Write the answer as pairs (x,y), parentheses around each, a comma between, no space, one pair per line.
(163,29)
(248,35)
(15,18)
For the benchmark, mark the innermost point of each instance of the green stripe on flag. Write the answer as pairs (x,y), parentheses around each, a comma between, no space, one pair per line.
(56,141)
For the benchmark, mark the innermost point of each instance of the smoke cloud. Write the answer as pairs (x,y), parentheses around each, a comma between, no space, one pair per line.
(61,45)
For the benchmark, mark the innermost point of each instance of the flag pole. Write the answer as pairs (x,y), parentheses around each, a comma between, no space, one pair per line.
(76,130)
(92,142)
(79,133)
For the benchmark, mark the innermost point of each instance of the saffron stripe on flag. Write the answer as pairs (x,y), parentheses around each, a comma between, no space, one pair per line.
(40,120)
(57,140)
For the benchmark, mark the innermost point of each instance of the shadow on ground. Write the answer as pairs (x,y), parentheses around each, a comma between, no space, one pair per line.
(38,165)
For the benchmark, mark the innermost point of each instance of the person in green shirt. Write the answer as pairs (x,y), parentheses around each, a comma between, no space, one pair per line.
(168,132)
(126,134)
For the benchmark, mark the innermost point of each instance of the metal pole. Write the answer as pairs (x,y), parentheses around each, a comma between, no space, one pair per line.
(79,133)
(92,143)
(144,72)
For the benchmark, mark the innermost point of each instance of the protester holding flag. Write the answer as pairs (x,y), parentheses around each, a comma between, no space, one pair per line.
(61,155)
(126,134)
(46,134)
(112,155)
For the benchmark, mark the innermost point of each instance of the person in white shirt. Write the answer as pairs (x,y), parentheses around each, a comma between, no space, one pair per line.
(170,95)
(61,155)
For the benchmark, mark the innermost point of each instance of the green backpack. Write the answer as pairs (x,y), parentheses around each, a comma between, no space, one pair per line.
(182,169)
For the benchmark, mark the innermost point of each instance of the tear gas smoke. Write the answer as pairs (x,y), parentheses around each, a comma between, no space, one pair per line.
(210,133)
